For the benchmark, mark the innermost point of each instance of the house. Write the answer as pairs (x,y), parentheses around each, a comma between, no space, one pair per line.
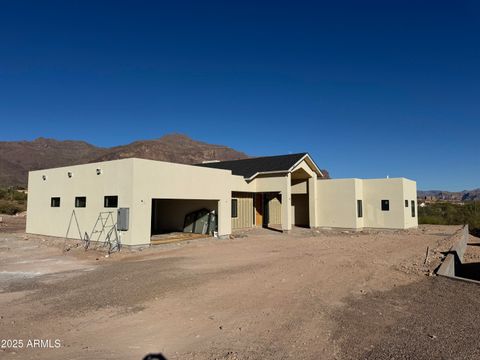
(155,197)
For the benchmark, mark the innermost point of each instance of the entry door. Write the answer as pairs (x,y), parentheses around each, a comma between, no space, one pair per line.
(266,210)
(258,209)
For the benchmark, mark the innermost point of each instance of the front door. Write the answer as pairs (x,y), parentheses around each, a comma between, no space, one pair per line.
(258,209)
(266,210)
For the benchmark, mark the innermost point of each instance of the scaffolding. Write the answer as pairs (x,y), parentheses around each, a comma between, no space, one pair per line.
(104,233)
(84,239)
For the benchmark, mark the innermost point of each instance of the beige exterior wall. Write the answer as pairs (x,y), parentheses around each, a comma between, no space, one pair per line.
(326,203)
(162,180)
(337,203)
(410,194)
(135,181)
(115,179)
(376,190)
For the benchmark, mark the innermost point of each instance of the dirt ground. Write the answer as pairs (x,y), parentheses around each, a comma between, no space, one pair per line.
(261,295)
(10,223)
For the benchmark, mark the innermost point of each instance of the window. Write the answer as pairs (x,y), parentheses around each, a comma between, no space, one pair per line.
(406,203)
(80,202)
(55,202)
(110,201)
(413,208)
(359,208)
(234,208)
(385,205)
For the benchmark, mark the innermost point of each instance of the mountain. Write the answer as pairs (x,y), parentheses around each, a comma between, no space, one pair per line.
(19,157)
(440,195)
(172,148)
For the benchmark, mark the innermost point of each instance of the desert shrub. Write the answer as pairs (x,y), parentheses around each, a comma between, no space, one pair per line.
(12,199)
(452,214)
(11,207)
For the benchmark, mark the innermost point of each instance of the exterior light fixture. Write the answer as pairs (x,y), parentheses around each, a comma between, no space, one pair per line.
(99,171)
(70,174)
(44,177)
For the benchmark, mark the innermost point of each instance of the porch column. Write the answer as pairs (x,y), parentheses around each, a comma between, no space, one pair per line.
(287,204)
(224,215)
(312,201)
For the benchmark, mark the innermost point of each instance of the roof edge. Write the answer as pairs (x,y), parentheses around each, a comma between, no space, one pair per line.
(317,169)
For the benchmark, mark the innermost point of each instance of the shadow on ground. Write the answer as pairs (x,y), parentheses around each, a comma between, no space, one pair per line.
(158,356)
(468,271)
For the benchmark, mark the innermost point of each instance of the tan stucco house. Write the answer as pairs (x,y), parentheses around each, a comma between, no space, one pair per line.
(277,191)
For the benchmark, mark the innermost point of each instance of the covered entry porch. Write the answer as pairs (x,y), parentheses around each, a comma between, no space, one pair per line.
(282,198)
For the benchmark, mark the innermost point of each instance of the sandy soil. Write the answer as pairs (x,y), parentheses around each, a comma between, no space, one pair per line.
(11,223)
(262,295)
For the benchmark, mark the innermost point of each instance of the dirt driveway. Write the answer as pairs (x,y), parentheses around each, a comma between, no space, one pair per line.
(263,295)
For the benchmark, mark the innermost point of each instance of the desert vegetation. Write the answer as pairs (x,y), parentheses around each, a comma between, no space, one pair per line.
(12,201)
(444,213)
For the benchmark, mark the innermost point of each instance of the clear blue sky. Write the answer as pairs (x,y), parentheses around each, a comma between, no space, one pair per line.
(368,88)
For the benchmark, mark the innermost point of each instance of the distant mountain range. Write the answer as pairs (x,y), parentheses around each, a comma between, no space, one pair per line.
(439,195)
(17,158)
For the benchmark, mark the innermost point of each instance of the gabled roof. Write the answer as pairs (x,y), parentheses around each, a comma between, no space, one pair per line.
(250,168)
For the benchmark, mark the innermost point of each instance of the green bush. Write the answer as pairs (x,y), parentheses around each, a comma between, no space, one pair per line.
(11,207)
(452,214)
(12,201)
(12,194)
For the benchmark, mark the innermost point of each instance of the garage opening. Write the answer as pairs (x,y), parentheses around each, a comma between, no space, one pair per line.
(182,219)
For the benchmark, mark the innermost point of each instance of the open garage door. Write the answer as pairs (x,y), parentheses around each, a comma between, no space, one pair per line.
(169,215)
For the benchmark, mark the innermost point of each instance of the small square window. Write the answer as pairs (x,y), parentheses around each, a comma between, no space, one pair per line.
(110,201)
(385,205)
(234,208)
(359,208)
(406,203)
(55,202)
(80,202)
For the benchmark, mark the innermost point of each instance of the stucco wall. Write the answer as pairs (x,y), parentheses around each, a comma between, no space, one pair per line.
(115,179)
(376,190)
(162,180)
(410,194)
(332,203)
(135,181)
(336,201)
